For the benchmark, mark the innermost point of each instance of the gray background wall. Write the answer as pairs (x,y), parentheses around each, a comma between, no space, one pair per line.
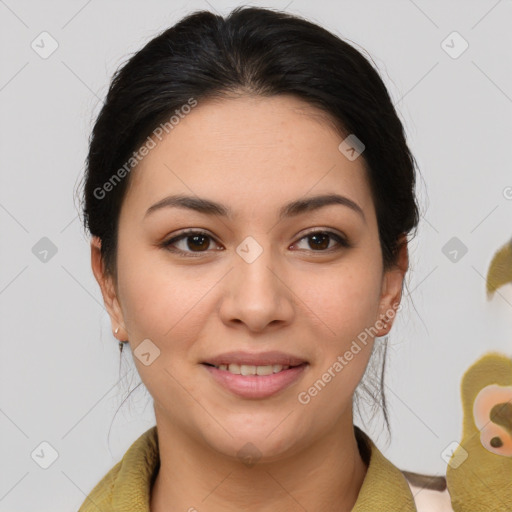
(59,364)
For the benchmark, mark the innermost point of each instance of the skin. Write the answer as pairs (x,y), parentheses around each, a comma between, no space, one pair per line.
(253,155)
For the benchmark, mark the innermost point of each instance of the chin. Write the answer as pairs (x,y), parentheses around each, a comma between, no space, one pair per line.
(255,438)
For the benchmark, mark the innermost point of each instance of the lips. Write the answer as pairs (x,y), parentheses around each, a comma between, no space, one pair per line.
(256,386)
(255,359)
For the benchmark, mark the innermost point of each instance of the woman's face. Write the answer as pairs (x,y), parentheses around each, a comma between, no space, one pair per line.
(259,277)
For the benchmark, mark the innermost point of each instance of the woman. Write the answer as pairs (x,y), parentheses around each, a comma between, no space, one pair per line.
(249,192)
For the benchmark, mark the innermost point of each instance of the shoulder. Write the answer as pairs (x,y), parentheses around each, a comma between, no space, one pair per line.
(126,487)
(101,494)
(430,492)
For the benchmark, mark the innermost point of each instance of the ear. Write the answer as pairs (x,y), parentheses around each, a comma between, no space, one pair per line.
(108,290)
(391,289)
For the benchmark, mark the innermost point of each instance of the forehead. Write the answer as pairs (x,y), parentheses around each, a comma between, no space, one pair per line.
(249,149)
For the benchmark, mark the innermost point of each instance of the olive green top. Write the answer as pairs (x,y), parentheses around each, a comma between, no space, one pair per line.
(127,486)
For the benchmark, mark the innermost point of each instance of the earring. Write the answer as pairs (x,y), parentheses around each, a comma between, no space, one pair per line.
(121,343)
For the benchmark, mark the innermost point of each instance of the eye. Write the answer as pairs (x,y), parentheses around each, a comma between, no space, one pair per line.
(195,241)
(192,241)
(319,241)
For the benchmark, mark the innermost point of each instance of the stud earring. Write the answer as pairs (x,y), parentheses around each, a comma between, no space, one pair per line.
(121,343)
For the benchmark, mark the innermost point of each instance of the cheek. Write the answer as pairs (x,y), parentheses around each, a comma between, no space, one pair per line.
(160,302)
(164,306)
(344,348)
(345,299)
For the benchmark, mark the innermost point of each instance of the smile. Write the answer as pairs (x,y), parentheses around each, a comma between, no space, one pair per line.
(255,382)
(246,369)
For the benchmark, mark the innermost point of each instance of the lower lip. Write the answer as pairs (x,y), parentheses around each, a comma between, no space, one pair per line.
(256,386)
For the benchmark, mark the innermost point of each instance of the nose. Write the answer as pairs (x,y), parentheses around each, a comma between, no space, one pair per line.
(256,291)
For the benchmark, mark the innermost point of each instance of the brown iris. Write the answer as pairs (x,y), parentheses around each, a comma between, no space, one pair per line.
(322,238)
(196,244)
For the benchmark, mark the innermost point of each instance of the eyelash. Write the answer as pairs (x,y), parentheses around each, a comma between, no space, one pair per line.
(343,243)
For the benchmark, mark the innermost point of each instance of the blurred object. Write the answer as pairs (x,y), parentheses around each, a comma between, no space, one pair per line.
(479,473)
(500,269)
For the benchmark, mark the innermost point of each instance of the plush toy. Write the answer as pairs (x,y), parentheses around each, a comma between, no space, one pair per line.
(479,473)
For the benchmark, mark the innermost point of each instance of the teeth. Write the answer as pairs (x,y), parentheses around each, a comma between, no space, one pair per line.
(246,369)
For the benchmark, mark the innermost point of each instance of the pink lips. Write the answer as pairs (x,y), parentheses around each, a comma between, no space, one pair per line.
(256,386)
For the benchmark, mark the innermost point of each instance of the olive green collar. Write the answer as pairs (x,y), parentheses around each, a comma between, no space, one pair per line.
(384,486)
(127,486)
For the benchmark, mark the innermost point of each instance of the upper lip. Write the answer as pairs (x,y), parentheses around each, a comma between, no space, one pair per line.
(255,359)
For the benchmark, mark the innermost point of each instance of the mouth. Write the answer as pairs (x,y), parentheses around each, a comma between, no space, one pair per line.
(251,370)
(252,375)
(256,381)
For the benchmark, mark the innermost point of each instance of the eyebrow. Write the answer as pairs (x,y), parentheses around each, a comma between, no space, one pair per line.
(209,207)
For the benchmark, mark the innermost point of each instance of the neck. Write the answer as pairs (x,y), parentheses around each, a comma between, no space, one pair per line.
(324,476)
